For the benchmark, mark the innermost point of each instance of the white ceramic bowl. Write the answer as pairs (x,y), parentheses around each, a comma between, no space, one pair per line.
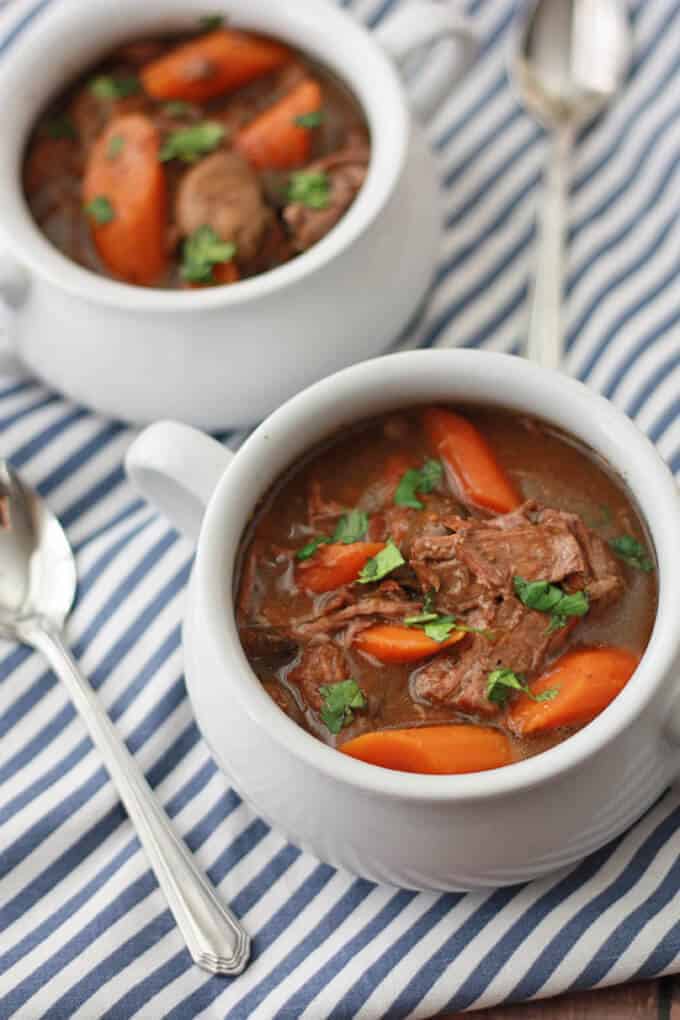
(442,832)
(227,356)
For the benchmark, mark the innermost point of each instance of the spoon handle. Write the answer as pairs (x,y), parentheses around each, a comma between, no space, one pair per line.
(545,343)
(216,940)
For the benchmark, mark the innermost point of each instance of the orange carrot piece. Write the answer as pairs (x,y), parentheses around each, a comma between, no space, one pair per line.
(434,750)
(273,141)
(133,243)
(586,679)
(391,643)
(223,272)
(331,566)
(470,461)
(215,63)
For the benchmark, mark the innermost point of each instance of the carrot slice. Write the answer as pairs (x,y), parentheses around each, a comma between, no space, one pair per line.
(389,643)
(586,680)
(123,169)
(223,272)
(331,566)
(435,750)
(274,140)
(470,461)
(211,65)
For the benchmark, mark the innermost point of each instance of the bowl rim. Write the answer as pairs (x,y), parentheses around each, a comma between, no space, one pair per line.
(378,89)
(649,480)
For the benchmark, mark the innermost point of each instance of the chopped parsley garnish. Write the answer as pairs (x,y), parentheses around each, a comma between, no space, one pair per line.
(501,683)
(115,146)
(202,251)
(632,552)
(100,210)
(338,703)
(382,564)
(209,22)
(61,126)
(439,627)
(106,87)
(309,120)
(190,143)
(423,479)
(351,527)
(307,551)
(310,188)
(177,108)
(550,598)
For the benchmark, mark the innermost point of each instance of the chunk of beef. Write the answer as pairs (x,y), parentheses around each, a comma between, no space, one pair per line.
(92,115)
(320,664)
(521,640)
(262,642)
(274,249)
(222,192)
(404,526)
(346,171)
(482,557)
(601,575)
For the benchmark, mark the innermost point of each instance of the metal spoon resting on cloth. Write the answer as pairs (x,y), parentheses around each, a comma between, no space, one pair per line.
(37,590)
(570,61)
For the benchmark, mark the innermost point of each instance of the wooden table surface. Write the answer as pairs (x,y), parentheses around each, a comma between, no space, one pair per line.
(650,1000)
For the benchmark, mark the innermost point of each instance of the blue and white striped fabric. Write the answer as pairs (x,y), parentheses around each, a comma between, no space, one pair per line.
(84,931)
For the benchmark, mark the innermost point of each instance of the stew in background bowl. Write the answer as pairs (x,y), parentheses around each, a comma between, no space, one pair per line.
(195,160)
(440,592)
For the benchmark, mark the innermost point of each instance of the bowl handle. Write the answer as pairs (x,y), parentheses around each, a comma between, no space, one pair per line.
(177,468)
(14,284)
(443,38)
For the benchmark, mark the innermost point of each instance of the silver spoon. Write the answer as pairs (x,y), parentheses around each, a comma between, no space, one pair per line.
(570,60)
(37,589)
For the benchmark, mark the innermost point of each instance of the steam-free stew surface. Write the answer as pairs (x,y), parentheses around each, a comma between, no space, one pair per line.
(195,160)
(308,629)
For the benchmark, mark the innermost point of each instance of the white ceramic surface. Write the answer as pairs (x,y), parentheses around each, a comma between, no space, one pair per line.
(441,832)
(226,356)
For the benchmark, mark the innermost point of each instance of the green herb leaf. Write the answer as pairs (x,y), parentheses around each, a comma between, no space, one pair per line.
(429,601)
(177,108)
(309,120)
(115,146)
(190,143)
(439,627)
(209,22)
(108,88)
(550,598)
(382,564)
(61,126)
(539,595)
(351,527)
(632,552)
(415,480)
(338,703)
(307,551)
(310,187)
(501,683)
(100,210)
(201,251)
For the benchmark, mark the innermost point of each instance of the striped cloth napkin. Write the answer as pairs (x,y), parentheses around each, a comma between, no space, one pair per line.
(84,930)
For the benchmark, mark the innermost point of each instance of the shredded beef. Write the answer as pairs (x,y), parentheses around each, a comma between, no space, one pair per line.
(319,665)
(369,609)
(472,571)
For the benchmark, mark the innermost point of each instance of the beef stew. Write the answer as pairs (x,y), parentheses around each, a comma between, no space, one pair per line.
(196,160)
(445,592)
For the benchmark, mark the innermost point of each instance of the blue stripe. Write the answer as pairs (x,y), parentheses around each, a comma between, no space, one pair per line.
(191,789)
(657,430)
(22,24)
(567,937)
(37,444)
(660,373)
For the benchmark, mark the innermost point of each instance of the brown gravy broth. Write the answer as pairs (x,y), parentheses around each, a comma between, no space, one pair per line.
(348,470)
